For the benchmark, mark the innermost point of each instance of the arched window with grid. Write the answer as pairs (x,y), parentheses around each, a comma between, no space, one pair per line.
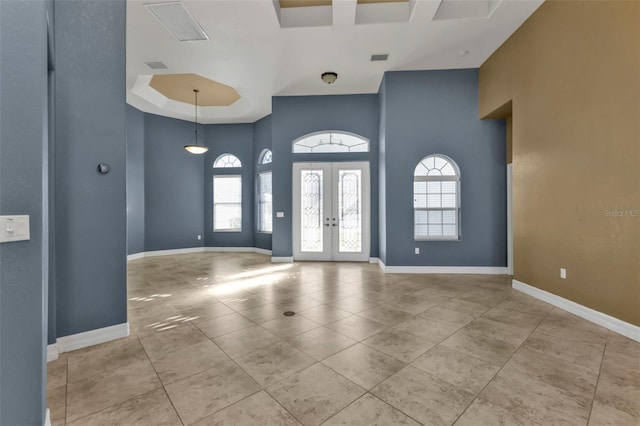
(226,160)
(266,157)
(436,199)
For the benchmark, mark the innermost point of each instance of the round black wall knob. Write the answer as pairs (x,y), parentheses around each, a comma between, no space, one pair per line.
(103,168)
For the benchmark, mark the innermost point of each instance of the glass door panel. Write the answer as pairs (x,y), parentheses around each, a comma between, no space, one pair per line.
(350,211)
(311,210)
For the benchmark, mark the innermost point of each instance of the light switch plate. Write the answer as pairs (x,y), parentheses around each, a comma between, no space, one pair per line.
(279,214)
(14,228)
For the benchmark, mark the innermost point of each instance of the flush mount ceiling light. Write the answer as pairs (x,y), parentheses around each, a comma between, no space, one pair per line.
(195,147)
(178,21)
(329,77)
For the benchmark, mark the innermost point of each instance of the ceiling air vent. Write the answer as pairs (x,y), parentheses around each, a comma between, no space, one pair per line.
(382,57)
(156,65)
(178,21)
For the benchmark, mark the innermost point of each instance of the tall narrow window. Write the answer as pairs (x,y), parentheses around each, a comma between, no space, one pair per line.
(227,203)
(265,209)
(436,199)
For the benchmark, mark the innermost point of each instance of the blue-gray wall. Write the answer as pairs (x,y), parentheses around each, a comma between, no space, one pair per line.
(236,139)
(50,169)
(174,207)
(428,112)
(91,220)
(414,114)
(261,141)
(382,171)
(135,180)
(23,190)
(293,117)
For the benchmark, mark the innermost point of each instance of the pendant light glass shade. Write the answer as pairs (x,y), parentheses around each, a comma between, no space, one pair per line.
(195,147)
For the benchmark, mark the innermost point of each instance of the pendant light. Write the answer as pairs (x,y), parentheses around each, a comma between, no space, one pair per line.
(195,147)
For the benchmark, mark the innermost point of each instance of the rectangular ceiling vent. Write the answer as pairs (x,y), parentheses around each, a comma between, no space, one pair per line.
(178,21)
(156,65)
(375,58)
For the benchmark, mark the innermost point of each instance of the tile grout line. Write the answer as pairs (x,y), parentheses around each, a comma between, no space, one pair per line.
(199,372)
(595,390)
(503,365)
(160,380)
(66,391)
(283,407)
(262,388)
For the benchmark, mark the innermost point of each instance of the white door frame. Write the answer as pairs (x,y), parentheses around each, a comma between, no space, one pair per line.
(510,219)
(330,207)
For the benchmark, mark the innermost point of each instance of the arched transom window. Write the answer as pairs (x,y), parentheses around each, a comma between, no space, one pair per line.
(226,160)
(436,199)
(327,142)
(266,156)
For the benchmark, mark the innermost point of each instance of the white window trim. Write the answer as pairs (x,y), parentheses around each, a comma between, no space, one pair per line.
(437,178)
(224,203)
(259,209)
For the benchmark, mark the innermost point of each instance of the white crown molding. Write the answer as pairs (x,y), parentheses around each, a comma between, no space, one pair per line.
(282,259)
(614,324)
(487,270)
(92,337)
(156,253)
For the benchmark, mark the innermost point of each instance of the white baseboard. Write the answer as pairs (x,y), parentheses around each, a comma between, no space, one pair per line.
(614,324)
(487,270)
(92,337)
(238,250)
(261,251)
(282,259)
(52,352)
(135,256)
(47,418)
(155,253)
(374,260)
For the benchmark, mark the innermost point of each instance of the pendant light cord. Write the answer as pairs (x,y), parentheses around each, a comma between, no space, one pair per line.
(196,92)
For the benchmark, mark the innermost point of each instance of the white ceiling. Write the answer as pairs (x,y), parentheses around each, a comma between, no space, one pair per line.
(248,50)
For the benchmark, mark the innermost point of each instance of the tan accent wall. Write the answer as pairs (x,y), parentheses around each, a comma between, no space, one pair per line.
(572,72)
(304,3)
(380,1)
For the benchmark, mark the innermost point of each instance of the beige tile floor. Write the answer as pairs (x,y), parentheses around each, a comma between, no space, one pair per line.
(210,346)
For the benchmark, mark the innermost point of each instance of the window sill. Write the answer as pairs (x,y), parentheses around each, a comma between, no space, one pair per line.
(227,230)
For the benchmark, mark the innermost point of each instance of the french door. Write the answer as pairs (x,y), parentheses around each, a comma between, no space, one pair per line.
(331,211)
